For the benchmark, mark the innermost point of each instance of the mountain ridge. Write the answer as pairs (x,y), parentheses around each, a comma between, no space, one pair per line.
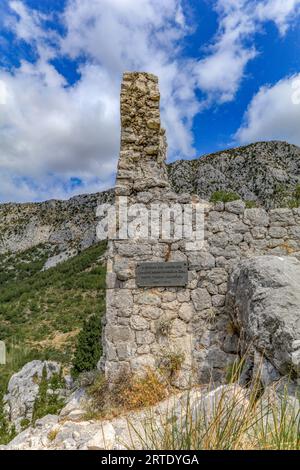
(265,173)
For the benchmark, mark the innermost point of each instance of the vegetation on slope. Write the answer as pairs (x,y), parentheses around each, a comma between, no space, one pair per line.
(42,312)
(88,349)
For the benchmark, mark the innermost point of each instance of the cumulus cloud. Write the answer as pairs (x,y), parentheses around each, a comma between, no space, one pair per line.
(282,12)
(51,132)
(220,73)
(129,35)
(274,113)
(54,131)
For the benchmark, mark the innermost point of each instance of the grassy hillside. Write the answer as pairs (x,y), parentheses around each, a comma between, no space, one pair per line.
(42,312)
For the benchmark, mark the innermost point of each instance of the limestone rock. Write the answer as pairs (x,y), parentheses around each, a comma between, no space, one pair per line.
(76,406)
(201,299)
(264,299)
(23,389)
(129,431)
(253,172)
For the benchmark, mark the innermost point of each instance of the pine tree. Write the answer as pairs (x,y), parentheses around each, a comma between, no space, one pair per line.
(88,350)
(7,432)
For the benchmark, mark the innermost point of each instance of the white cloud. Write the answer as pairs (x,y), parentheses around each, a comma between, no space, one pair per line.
(46,128)
(129,35)
(282,12)
(50,132)
(273,114)
(26,23)
(54,131)
(221,72)
(3,93)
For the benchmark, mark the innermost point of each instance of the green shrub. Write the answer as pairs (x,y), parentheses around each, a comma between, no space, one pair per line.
(250,204)
(47,401)
(171,362)
(7,432)
(25,422)
(38,307)
(127,393)
(88,350)
(223,196)
(293,203)
(297,193)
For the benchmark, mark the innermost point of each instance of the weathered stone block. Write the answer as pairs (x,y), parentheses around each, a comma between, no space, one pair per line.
(178,328)
(169,296)
(148,298)
(201,299)
(259,232)
(140,364)
(183,295)
(186,311)
(144,337)
(277,232)
(282,217)
(294,232)
(218,300)
(134,249)
(152,313)
(236,207)
(117,334)
(217,276)
(256,217)
(222,288)
(125,351)
(219,240)
(138,323)
(121,299)
(201,260)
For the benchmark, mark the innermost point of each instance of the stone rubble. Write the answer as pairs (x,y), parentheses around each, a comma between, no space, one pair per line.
(130,431)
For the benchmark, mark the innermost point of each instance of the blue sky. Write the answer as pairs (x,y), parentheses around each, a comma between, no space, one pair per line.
(229,74)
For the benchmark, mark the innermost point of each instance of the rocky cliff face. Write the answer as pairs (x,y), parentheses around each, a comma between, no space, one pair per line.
(265,172)
(69,225)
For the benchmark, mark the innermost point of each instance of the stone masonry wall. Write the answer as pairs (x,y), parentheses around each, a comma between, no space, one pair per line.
(157,327)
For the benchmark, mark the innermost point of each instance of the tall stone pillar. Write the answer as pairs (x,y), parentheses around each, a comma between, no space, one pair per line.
(143,142)
(145,327)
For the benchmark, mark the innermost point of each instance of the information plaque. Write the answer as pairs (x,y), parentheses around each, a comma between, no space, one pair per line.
(169,274)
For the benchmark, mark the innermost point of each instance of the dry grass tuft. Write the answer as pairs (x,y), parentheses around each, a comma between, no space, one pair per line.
(231,421)
(128,393)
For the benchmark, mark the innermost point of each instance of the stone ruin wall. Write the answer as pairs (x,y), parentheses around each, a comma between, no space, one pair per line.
(146,326)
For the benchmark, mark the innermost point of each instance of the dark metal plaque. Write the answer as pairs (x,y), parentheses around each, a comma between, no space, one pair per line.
(170,274)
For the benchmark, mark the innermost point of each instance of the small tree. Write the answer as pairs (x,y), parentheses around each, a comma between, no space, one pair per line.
(7,432)
(297,193)
(88,350)
(48,403)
